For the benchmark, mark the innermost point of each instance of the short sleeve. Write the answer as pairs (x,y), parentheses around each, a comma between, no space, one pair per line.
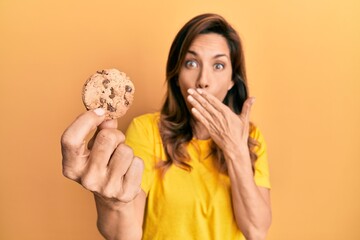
(262,176)
(140,137)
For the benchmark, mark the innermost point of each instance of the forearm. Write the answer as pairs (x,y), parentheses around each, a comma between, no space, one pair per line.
(251,210)
(118,221)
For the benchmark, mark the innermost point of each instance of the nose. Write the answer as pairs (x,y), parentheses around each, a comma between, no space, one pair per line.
(203,79)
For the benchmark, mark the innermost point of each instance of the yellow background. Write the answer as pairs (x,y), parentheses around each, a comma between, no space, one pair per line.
(303,63)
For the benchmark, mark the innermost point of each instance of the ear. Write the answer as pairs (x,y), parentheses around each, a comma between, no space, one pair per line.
(231,84)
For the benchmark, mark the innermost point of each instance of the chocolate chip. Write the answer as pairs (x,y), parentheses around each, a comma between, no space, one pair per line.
(128,88)
(106,83)
(102,100)
(111,108)
(112,95)
(102,72)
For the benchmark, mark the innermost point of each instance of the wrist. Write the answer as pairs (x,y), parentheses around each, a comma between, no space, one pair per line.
(238,159)
(237,152)
(110,203)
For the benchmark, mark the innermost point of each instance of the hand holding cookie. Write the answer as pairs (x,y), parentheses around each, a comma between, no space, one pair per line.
(106,167)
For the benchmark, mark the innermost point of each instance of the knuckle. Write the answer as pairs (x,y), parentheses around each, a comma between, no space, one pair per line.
(90,183)
(109,192)
(127,196)
(105,137)
(139,163)
(68,173)
(67,141)
(70,169)
(124,151)
(204,104)
(214,116)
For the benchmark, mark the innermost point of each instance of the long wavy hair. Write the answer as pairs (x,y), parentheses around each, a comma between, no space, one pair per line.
(175,118)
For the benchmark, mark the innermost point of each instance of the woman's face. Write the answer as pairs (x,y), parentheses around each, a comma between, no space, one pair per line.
(207,65)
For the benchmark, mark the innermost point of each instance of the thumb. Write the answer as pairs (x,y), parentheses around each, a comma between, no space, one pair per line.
(245,112)
(75,135)
(112,123)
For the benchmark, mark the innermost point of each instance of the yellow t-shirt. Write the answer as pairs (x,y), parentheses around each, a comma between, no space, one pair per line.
(187,205)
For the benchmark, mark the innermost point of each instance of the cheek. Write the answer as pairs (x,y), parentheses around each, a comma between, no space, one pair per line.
(222,90)
(221,94)
(186,81)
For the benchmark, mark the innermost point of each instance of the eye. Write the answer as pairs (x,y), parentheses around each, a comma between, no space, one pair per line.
(191,64)
(219,66)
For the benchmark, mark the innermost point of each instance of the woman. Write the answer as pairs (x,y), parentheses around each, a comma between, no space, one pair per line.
(204,173)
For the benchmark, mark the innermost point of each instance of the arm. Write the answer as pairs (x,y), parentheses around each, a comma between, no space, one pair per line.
(120,219)
(107,167)
(251,204)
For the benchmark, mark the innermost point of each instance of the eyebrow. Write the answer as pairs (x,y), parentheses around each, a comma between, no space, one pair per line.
(216,56)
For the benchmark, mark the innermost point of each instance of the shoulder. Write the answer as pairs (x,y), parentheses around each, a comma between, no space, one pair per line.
(146,123)
(256,134)
(148,119)
(261,164)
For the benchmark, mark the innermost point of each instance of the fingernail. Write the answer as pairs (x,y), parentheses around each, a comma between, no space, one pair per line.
(99,111)
(199,90)
(190,98)
(190,91)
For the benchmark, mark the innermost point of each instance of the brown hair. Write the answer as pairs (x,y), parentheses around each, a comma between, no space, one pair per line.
(175,125)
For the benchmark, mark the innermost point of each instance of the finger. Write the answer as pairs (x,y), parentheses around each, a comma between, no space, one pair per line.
(204,121)
(72,140)
(201,106)
(113,123)
(199,100)
(245,112)
(212,100)
(121,159)
(105,143)
(132,180)
(119,164)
